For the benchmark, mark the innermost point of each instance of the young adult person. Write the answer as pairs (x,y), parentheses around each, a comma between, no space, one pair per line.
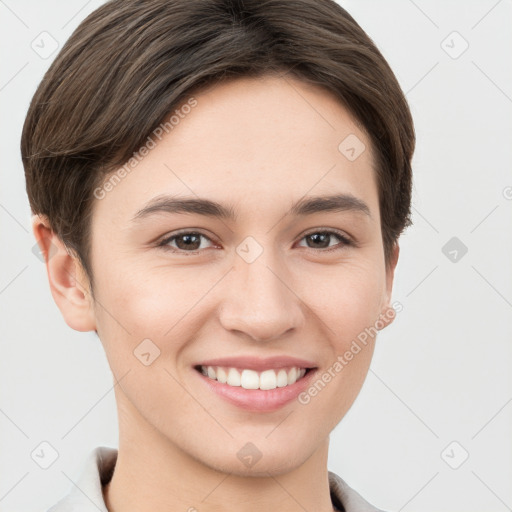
(218,188)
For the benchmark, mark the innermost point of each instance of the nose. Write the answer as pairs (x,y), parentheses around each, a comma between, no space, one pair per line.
(259,300)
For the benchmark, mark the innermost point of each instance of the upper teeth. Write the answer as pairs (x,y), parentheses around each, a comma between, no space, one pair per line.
(250,379)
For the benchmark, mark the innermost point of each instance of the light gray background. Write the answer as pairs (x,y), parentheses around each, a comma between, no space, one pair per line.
(441,372)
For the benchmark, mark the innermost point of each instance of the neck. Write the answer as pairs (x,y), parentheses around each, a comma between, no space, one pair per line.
(154,474)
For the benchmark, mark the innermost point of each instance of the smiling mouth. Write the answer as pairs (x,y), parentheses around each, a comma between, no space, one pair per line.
(251,379)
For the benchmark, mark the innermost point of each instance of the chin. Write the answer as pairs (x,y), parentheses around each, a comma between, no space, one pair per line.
(259,458)
(269,465)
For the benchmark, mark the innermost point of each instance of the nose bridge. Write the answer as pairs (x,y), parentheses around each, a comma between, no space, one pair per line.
(259,301)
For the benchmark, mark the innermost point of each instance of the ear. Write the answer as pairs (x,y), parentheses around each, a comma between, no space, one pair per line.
(388,314)
(68,281)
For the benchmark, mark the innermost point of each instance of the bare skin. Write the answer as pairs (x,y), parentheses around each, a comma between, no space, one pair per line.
(258,146)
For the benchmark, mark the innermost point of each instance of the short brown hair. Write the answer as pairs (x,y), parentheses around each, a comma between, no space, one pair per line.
(130,63)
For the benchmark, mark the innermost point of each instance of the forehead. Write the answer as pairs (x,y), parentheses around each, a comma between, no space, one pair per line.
(255,143)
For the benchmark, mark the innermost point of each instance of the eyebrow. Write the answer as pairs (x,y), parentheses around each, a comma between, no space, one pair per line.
(206,207)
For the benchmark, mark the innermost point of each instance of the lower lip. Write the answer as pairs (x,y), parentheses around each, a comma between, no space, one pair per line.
(258,400)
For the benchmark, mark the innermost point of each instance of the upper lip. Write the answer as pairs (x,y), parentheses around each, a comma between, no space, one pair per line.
(259,364)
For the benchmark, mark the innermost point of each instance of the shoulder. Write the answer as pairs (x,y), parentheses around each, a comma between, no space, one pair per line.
(86,493)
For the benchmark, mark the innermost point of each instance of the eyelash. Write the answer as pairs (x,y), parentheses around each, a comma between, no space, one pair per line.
(163,244)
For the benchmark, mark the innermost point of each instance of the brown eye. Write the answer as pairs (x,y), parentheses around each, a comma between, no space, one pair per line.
(322,240)
(189,241)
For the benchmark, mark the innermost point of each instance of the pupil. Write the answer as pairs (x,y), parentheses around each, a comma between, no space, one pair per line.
(318,236)
(188,240)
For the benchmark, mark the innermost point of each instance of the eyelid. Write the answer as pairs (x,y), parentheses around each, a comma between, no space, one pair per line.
(338,232)
(186,231)
(346,239)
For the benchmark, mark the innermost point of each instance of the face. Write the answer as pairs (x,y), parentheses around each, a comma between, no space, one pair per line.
(179,286)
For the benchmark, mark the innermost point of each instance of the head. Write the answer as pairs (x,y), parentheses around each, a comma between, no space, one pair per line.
(266,110)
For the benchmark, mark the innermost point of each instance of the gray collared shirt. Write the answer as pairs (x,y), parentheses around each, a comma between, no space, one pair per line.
(87,495)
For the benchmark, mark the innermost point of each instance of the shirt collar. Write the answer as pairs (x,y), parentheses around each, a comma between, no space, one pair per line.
(87,495)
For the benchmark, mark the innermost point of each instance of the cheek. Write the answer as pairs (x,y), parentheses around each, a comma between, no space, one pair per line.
(347,305)
(160,305)
(347,298)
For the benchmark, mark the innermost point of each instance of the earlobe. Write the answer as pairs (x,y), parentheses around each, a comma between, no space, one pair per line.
(68,282)
(388,313)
